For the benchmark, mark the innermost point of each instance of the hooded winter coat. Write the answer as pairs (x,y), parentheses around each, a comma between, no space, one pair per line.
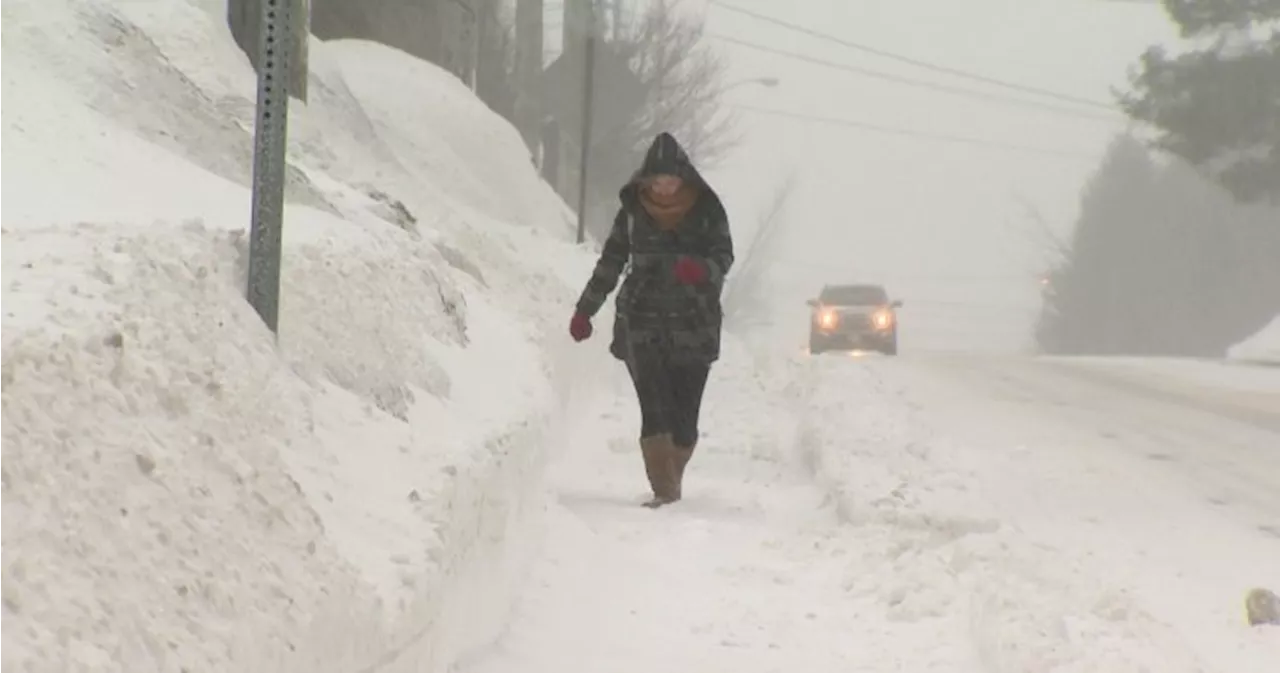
(656,313)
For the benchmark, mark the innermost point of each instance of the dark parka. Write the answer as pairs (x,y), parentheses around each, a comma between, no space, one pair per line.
(656,314)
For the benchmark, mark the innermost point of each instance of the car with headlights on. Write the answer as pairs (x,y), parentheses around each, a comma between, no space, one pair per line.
(853,317)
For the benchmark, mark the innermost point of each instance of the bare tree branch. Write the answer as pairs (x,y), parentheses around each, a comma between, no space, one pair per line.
(746,301)
(1045,238)
(683,77)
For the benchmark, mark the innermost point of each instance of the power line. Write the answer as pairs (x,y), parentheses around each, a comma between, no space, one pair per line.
(866,126)
(876,74)
(908,60)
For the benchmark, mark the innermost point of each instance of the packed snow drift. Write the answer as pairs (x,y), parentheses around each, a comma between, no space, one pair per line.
(1263,347)
(182,490)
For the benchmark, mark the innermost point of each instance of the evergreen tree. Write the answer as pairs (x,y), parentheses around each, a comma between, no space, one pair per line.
(1217,105)
(1086,299)
(1162,262)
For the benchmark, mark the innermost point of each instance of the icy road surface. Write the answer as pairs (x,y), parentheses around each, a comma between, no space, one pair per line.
(925,513)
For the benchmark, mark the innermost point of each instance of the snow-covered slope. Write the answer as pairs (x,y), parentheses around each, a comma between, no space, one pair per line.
(1261,347)
(183,491)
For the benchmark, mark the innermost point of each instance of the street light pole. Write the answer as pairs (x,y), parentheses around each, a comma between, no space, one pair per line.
(588,93)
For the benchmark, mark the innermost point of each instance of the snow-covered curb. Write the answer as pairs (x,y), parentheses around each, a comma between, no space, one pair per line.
(488,514)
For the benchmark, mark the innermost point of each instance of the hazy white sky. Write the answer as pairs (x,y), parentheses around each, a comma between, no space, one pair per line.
(945,225)
(948,226)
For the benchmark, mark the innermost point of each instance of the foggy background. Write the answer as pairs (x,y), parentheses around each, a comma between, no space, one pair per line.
(1016,171)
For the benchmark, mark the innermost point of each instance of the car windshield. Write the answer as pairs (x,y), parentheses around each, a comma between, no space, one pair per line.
(854,295)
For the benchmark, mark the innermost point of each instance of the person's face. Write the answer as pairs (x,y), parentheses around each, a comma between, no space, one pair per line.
(665,185)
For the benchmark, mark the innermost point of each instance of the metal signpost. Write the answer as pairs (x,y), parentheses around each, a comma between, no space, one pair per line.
(269,144)
(588,93)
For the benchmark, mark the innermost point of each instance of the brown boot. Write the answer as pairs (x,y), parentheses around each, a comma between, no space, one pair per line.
(680,457)
(659,466)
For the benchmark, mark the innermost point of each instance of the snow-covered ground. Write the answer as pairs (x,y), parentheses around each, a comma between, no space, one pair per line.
(1131,519)
(422,474)
(1243,389)
(1263,347)
(937,513)
(181,490)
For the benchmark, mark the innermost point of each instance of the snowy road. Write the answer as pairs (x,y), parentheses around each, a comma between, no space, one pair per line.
(1216,441)
(934,513)
(1165,476)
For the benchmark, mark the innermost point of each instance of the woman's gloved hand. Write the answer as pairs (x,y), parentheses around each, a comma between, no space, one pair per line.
(690,271)
(580,327)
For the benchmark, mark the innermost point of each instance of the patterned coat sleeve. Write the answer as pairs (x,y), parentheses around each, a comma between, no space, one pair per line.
(613,259)
(719,254)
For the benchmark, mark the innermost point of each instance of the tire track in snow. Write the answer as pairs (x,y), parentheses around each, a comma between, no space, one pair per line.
(901,485)
(752,572)
(1224,465)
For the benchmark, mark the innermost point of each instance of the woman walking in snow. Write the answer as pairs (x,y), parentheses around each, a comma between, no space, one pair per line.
(671,237)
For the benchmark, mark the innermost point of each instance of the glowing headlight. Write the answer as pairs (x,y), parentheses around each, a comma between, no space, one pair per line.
(882,319)
(828,319)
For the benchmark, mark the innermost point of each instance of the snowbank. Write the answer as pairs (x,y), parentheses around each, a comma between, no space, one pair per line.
(939,553)
(184,492)
(1262,347)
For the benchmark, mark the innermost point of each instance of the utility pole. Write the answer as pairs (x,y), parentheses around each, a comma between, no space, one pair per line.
(474,66)
(573,21)
(529,33)
(270,135)
(618,10)
(588,94)
(484,85)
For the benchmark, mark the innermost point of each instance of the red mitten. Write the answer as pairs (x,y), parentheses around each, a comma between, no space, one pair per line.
(580,327)
(690,271)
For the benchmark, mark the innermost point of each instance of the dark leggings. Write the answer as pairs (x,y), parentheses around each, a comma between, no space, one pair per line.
(670,396)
